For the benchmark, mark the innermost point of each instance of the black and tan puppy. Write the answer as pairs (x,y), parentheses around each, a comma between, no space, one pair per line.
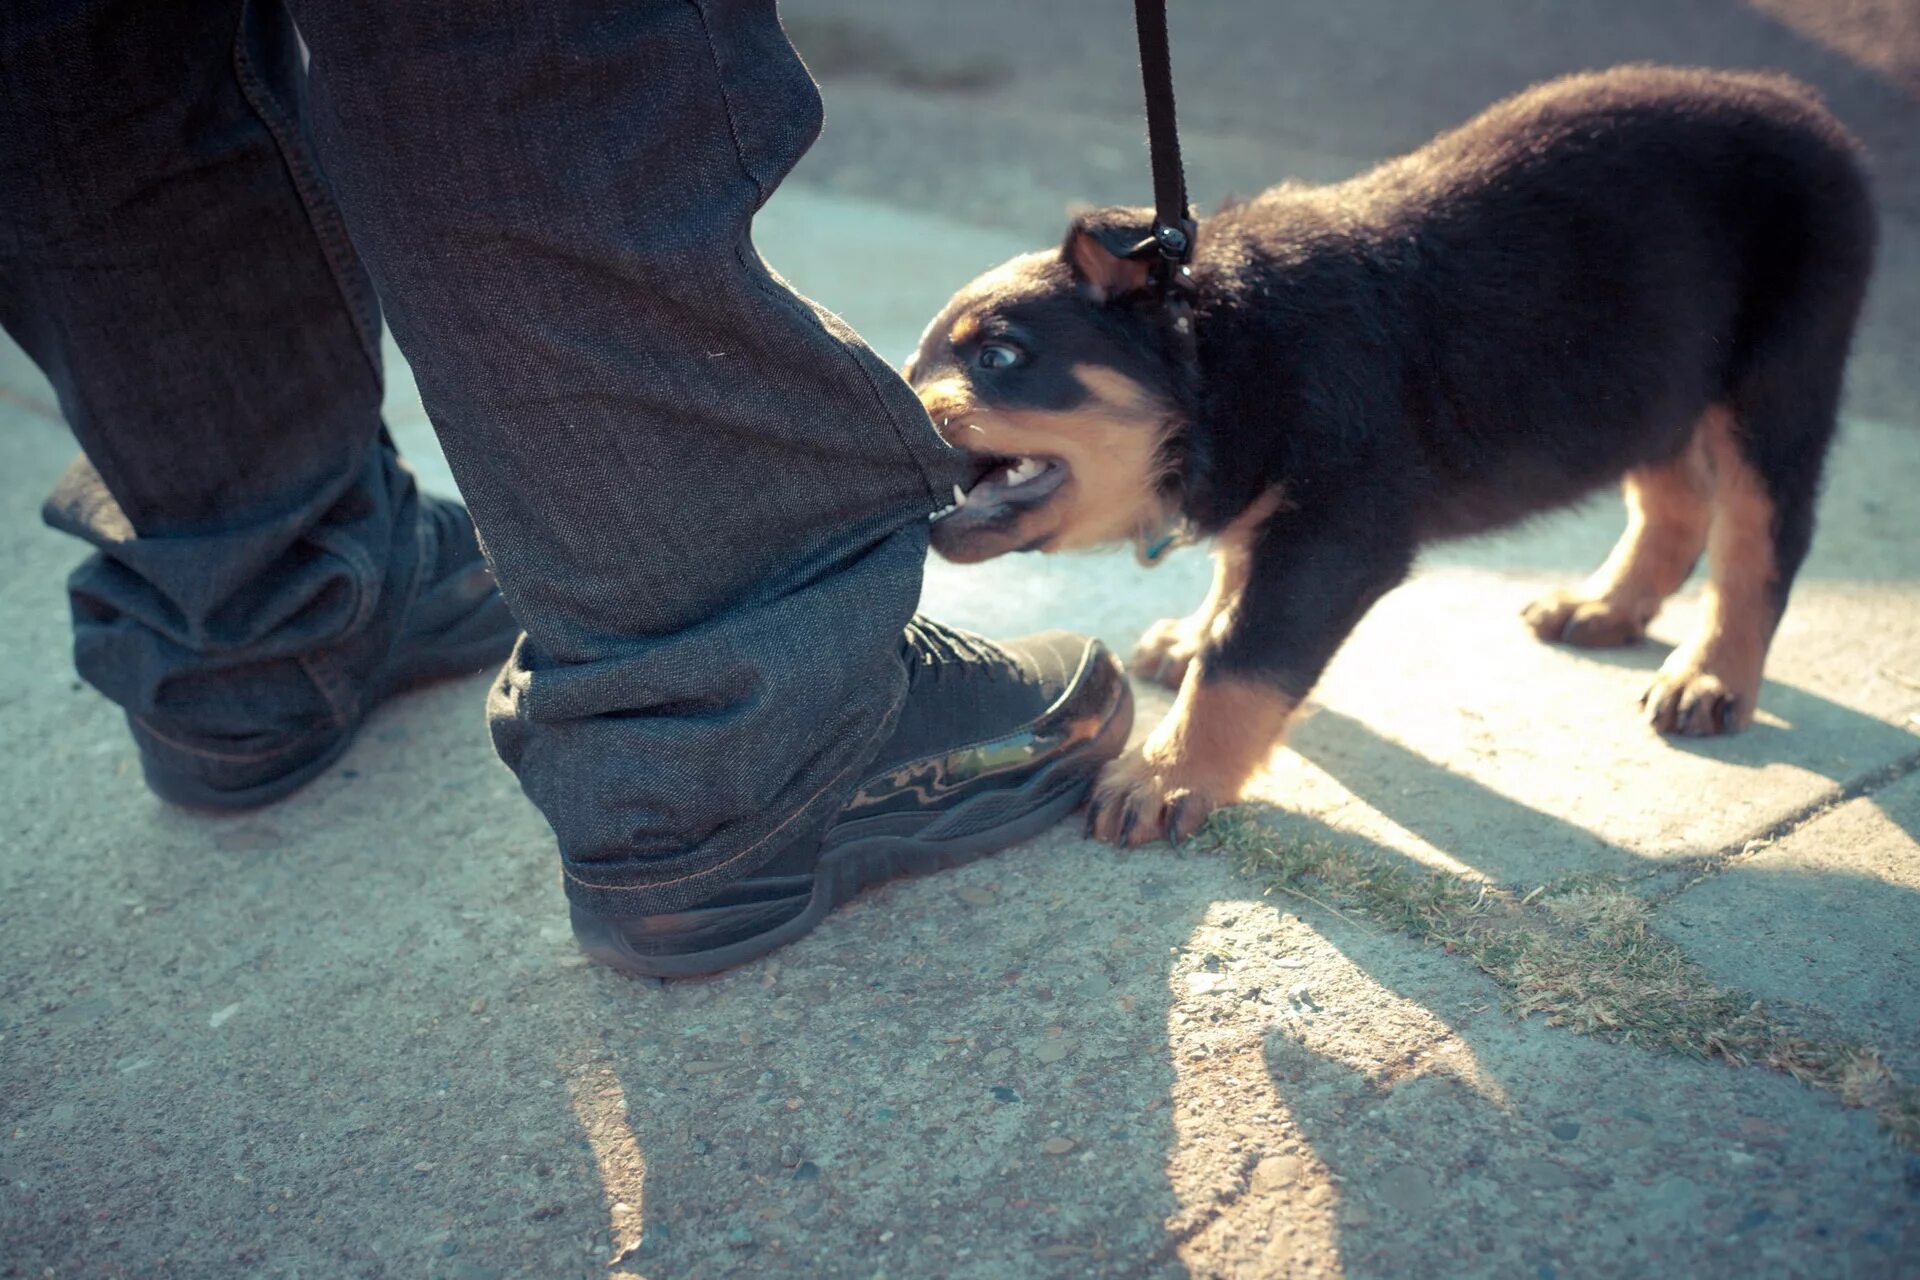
(1646,273)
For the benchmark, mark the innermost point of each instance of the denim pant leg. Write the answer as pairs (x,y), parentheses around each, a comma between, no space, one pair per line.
(168,257)
(704,498)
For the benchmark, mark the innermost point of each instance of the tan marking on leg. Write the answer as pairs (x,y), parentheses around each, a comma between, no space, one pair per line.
(1711,684)
(1669,509)
(1211,743)
(1169,645)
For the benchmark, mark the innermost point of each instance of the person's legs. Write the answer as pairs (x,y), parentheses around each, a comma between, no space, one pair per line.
(170,259)
(705,500)
(705,496)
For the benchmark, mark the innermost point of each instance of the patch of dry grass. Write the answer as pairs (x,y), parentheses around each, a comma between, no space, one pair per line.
(1577,951)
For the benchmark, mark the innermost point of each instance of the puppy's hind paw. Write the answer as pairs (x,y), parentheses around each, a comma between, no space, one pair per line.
(1589,622)
(1696,703)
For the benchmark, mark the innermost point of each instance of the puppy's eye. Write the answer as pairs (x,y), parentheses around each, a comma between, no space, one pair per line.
(998,355)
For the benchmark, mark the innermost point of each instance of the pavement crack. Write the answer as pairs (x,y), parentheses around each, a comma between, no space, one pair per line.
(1684,874)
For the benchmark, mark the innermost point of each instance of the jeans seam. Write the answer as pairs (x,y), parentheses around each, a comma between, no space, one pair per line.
(785,297)
(341,693)
(322,216)
(726,103)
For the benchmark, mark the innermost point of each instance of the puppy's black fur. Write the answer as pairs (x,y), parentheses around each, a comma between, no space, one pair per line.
(1556,294)
(1525,309)
(1509,318)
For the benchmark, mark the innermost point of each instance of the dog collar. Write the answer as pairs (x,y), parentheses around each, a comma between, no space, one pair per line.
(1150,546)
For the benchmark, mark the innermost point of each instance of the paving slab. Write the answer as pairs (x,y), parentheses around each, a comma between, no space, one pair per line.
(1825,922)
(338,1038)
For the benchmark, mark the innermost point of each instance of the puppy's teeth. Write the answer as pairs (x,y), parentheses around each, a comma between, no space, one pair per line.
(959,496)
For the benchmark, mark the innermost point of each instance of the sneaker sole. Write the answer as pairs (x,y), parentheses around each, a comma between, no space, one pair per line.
(857,857)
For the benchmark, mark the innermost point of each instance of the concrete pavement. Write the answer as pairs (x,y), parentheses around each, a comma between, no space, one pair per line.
(349,1035)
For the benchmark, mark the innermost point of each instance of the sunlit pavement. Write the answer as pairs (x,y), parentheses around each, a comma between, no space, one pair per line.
(349,1035)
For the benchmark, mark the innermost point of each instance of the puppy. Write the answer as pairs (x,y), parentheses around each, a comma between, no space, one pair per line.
(1647,274)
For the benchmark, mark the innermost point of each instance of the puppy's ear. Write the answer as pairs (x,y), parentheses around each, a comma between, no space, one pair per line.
(1095,249)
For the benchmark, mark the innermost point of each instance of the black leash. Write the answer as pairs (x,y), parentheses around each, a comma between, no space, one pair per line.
(1170,246)
(1173,225)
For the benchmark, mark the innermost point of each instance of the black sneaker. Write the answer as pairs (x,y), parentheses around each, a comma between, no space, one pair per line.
(996,743)
(454,624)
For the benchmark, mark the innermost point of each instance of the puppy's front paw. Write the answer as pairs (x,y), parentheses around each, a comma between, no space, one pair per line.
(1165,651)
(1200,757)
(1138,800)
(1590,622)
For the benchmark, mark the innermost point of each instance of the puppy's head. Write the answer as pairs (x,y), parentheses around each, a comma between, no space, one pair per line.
(1055,372)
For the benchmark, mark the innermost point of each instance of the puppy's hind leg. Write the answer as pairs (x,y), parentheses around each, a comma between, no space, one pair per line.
(1669,510)
(1767,448)
(1762,524)
(1766,464)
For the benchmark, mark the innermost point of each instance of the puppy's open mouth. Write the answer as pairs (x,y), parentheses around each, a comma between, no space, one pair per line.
(1001,487)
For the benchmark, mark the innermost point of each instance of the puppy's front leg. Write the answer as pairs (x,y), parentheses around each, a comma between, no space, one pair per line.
(1310,577)
(1169,646)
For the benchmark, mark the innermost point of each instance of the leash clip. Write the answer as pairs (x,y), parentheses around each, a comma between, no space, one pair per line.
(1171,241)
(1174,240)
(1170,246)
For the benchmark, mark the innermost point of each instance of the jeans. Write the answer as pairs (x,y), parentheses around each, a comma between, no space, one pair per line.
(703,497)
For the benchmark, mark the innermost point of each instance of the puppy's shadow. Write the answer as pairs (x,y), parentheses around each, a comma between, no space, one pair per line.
(1483,827)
